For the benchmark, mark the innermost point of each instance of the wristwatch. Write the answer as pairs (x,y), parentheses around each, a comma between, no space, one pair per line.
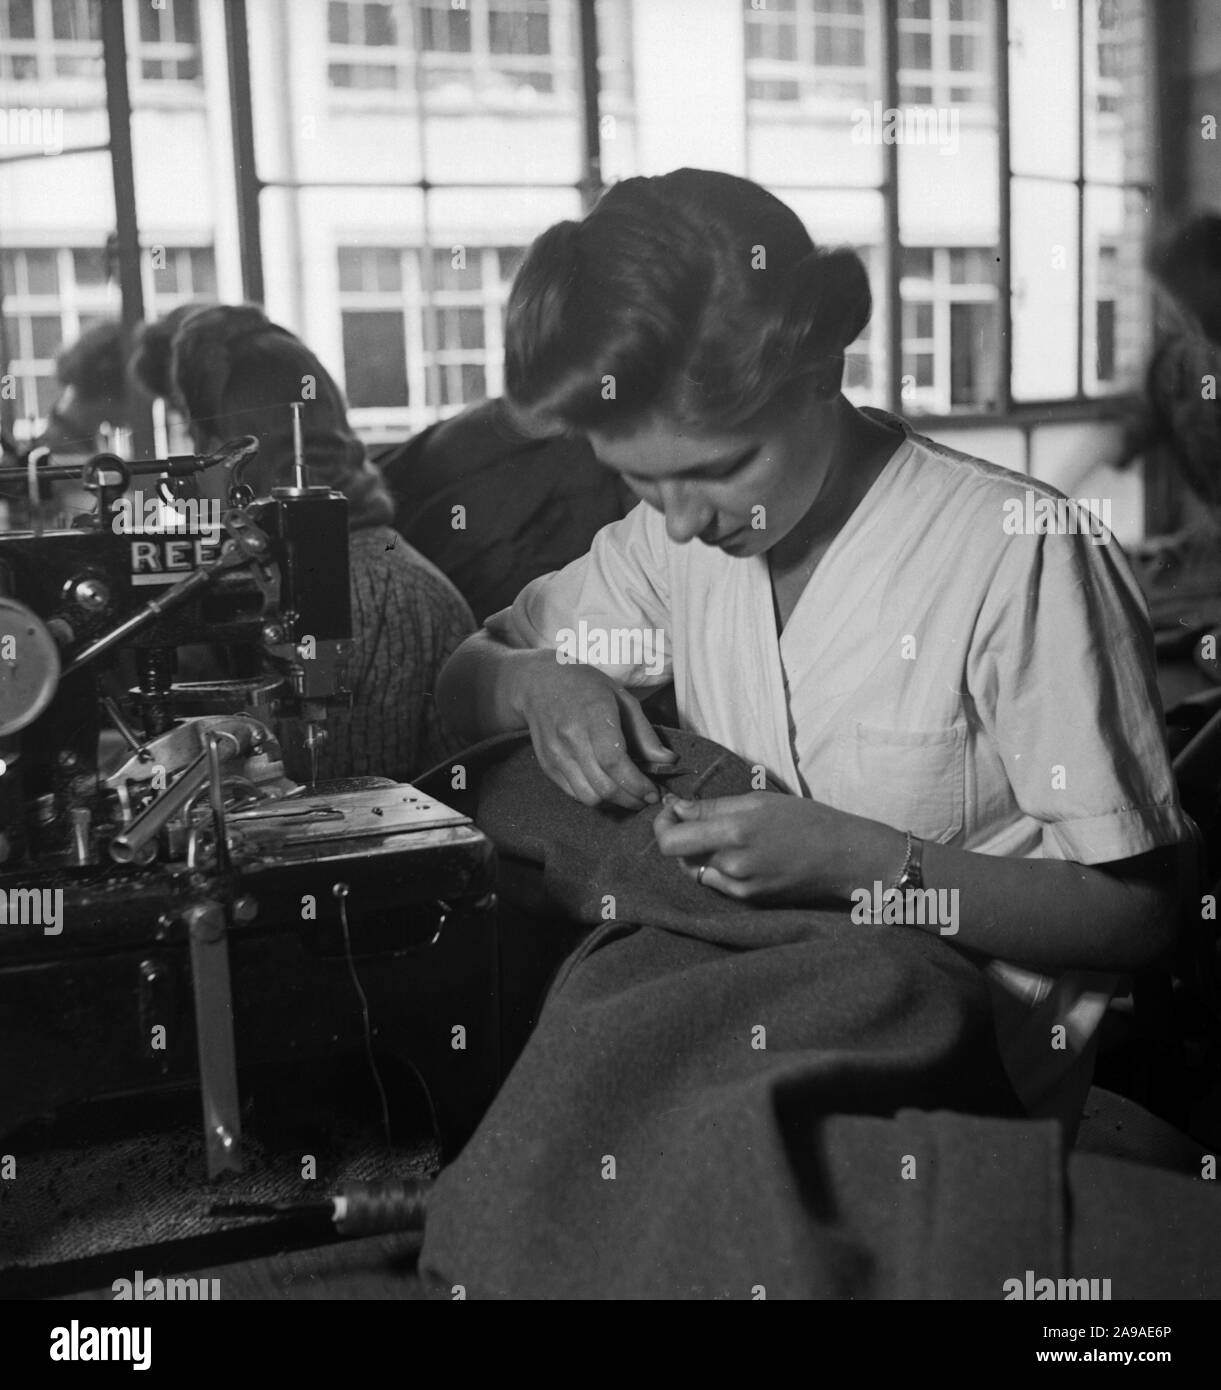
(911,875)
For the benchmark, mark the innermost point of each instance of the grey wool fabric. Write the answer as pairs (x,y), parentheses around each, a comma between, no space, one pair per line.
(724,1101)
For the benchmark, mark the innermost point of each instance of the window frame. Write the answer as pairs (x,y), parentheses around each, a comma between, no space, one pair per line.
(410,302)
(53,88)
(1102,402)
(411,64)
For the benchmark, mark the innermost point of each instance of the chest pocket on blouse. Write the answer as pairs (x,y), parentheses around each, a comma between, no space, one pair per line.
(909,779)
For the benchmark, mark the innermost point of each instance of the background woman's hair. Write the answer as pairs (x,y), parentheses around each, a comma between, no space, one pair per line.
(93,365)
(234,372)
(1187,263)
(152,357)
(696,293)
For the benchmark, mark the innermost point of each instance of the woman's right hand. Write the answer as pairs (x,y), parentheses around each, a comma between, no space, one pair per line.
(589,734)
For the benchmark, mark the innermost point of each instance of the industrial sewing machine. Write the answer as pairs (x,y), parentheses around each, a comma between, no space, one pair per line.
(172,904)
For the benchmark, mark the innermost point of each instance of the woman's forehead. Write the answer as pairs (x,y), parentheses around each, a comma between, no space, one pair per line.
(662,446)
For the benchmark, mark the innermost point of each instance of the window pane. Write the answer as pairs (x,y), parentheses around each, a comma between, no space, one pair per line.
(375,77)
(379,25)
(774,41)
(203,273)
(21,19)
(467,275)
(459,329)
(973,355)
(973,266)
(150,24)
(47,390)
(1116,291)
(917,262)
(917,320)
(186,21)
(42,271)
(19,68)
(351,263)
(1118,91)
(387,269)
(966,53)
(474,385)
(46,334)
(90,267)
(445,30)
(510,31)
(1043,89)
(1104,341)
(853,218)
(839,47)
(915,50)
(375,358)
(337,22)
(918,368)
(166,277)
(1044,246)
(70,19)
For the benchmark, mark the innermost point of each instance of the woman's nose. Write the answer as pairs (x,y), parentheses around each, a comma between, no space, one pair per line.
(687,515)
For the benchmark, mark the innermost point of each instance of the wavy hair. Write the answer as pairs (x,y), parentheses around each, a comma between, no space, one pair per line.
(694,293)
(231,371)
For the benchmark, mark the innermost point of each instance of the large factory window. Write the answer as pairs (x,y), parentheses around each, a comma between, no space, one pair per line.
(486,50)
(168,46)
(389,345)
(50,41)
(42,42)
(1031,213)
(423,126)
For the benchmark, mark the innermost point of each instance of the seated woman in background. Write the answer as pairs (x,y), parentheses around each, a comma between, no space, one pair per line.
(531,504)
(947,703)
(232,372)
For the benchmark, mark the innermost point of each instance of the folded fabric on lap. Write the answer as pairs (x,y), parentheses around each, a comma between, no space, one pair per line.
(730,1102)
(656,1137)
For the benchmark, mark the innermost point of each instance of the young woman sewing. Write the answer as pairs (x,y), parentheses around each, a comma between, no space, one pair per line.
(947,703)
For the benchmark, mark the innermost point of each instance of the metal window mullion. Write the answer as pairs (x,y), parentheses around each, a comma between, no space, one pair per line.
(493,339)
(1080,198)
(118,111)
(424,274)
(245,174)
(591,84)
(943,333)
(890,209)
(1004,170)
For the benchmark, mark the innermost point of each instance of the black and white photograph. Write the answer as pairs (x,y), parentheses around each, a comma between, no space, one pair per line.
(609,676)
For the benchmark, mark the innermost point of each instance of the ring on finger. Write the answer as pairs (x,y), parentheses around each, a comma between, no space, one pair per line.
(699,877)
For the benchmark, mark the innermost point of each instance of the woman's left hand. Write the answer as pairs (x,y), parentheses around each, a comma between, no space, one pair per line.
(766,846)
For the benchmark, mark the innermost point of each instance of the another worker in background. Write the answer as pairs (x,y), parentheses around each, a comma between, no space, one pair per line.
(1178,426)
(494,505)
(233,372)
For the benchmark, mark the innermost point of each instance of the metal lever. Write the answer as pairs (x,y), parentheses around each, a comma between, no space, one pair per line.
(210,981)
(124,848)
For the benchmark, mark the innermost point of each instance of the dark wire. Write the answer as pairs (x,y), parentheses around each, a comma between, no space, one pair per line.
(341,890)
